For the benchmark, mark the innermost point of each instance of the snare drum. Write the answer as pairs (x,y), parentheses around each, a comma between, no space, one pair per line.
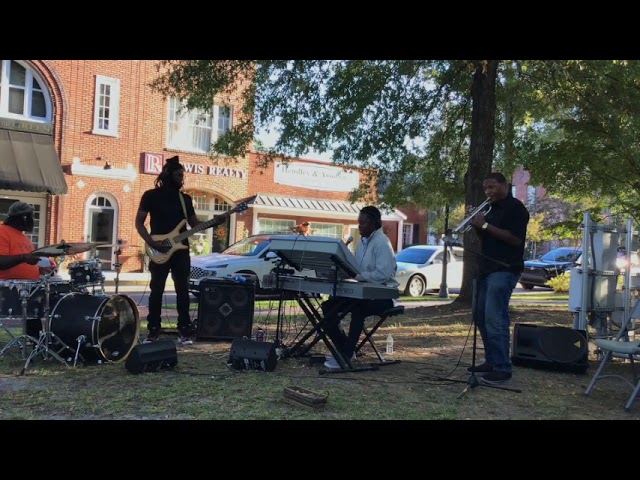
(86,273)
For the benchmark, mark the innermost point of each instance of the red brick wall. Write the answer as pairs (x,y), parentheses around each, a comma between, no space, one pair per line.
(142,128)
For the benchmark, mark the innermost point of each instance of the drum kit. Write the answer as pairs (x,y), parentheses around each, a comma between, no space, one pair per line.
(70,320)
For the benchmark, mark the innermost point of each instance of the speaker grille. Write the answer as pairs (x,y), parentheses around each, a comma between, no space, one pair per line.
(225,309)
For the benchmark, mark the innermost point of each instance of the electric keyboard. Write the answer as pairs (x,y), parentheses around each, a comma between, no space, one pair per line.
(344,288)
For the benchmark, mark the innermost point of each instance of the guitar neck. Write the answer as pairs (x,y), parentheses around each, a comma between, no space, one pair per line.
(198,228)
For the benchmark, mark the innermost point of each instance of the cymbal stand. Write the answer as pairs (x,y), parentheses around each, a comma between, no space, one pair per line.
(47,337)
(117,265)
(21,341)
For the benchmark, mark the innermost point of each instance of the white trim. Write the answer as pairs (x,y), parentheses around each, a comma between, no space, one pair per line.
(114,106)
(128,174)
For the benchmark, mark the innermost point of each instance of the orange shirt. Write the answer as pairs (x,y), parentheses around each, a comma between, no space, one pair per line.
(14,242)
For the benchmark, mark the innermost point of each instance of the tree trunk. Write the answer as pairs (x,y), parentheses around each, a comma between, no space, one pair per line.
(483,137)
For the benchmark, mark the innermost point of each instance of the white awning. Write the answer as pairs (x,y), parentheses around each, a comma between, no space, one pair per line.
(317,207)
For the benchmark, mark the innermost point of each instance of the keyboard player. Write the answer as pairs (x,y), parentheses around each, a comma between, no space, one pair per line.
(377,264)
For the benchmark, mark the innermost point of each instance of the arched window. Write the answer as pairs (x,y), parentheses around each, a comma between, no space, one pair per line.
(23,94)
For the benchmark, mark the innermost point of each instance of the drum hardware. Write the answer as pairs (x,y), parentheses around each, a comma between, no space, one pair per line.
(22,340)
(81,340)
(64,248)
(47,337)
(117,252)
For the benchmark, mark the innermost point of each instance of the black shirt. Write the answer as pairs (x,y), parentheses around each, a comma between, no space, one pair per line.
(165,209)
(507,214)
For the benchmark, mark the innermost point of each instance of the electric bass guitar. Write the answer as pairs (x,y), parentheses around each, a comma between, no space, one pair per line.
(174,239)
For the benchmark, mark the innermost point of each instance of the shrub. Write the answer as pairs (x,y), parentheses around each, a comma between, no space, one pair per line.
(560,284)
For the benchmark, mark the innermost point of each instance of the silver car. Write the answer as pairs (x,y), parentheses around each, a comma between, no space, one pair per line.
(420,268)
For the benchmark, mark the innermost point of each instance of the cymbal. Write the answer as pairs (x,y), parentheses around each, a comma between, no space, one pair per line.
(120,245)
(63,249)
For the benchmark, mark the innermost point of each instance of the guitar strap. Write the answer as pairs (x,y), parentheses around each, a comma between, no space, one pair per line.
(184,208)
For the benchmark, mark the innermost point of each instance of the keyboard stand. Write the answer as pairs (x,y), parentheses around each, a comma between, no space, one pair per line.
(314,314)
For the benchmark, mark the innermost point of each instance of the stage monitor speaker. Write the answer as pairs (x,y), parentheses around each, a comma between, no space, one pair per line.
(151,357)
(248,354)
(553,348)
(225,309)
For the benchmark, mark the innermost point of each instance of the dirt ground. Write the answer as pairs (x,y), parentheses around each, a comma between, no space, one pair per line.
(434,345)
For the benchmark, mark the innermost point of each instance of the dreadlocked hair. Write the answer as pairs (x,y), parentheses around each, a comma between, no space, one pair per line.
(171,166)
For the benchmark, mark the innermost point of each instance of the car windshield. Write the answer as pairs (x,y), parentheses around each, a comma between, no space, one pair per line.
(561,255)
(415,255)
(249,247)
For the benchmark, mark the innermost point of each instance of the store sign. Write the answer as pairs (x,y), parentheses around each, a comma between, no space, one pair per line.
(153,163)
(317,177)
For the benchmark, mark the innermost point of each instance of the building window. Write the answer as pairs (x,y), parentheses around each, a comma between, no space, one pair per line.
(531,197)
(333,230)
(407,234)
(22,95)
(106,106)
(37,234)
(273,225)
(192,130)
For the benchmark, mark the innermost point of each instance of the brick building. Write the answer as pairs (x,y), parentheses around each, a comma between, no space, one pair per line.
(81,140)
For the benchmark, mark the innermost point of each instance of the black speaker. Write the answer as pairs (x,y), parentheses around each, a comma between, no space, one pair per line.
(553,348)
(225,309)
(151,357)
(248,354)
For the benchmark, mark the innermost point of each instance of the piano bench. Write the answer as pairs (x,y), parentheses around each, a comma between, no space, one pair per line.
(391,312)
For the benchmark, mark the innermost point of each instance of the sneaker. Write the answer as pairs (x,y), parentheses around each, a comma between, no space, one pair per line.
(496,377)
(330,357)
(152,336)
(482,368)
(332,364)
(185,340)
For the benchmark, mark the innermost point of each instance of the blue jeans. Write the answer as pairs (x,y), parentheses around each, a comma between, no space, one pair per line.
(492,316)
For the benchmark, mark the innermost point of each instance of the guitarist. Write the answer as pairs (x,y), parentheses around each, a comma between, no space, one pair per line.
(163,203)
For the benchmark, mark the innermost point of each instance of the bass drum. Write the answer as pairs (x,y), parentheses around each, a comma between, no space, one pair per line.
(109,325)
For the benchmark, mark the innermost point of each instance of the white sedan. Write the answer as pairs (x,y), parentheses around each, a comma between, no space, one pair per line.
(420,268)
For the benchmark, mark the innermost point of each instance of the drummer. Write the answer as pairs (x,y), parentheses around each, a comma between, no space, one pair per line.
(16,261)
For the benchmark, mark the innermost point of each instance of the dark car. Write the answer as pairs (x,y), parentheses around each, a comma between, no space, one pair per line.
(538,272)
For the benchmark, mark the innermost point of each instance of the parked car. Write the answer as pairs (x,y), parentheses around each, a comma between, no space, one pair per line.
(420,268)
(538,272)
(248,258)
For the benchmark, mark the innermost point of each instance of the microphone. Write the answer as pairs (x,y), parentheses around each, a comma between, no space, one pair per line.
(349,240)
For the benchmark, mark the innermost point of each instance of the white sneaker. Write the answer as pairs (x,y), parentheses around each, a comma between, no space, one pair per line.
(332,364)
(330,357)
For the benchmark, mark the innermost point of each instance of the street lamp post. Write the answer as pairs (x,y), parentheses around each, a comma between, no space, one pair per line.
(444,291)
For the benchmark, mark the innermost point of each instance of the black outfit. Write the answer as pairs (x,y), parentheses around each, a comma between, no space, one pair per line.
(508,214)
(166,212)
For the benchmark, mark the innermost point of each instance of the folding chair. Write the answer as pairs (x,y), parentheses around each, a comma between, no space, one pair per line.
(622,347)
(368,335)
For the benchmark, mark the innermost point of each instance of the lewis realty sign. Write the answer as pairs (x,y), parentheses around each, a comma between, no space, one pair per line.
(153,163)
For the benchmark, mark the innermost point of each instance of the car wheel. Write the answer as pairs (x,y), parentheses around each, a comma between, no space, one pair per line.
(526,286)
(415,287)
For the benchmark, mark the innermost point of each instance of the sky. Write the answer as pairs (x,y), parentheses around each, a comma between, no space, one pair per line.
(269,140)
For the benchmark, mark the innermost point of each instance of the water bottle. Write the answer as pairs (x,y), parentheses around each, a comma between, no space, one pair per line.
(260,335)
(389,344)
